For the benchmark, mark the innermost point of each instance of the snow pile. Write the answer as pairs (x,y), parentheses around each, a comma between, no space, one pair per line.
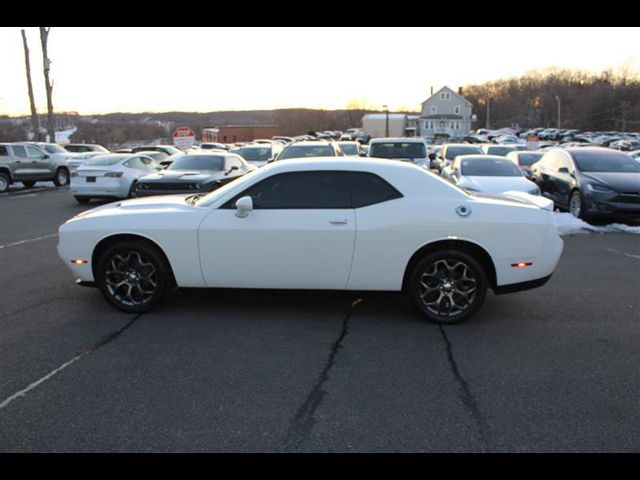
(569,225)
(62,137)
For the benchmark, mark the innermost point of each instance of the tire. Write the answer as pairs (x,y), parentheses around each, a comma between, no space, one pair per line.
(132,190)
(61,178)
(133,276)
(447,287)
(82,200)
(28,183)
(576,205)
(5,181)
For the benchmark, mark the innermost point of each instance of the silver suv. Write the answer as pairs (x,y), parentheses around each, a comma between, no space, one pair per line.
(30,163)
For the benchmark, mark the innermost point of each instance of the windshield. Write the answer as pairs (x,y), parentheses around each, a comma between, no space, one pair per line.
(349,148)
(453,152)
(499,150)
(198,162)
(253,154)
(105,160)
(398,150)
(605,162)
(481,167)
(298,151)
(217,194)
(528,159)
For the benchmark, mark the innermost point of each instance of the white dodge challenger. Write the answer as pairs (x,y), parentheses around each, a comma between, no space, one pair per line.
(321,223)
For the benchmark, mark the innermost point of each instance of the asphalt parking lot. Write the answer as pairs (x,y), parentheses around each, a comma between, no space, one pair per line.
(547,370)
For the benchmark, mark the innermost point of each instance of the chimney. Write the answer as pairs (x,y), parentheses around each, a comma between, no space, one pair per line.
(432,90)
(460,91)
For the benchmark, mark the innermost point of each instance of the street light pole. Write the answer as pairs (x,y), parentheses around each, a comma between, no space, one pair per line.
(558,100)
(386,128)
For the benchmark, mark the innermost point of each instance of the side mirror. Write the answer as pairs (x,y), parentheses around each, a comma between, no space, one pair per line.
(231,170)
(244,205)
(432,156)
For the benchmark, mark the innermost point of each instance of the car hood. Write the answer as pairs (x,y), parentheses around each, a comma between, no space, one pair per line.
(158,203)
(497,184)
(623,182)
(187,176)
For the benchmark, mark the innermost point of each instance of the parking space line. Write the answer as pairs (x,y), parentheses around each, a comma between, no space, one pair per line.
(637,257)
(88,351)
(51,235)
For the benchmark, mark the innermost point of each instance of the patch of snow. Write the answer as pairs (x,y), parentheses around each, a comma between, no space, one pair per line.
(569,225)
(62,137)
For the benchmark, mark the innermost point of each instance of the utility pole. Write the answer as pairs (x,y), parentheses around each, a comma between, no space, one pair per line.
(46,63)
(386,128)
(558,100)
(35,125)
(488,112)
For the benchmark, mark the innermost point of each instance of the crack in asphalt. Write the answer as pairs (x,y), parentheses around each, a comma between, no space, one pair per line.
(466,396)
(304,420)
(104,341)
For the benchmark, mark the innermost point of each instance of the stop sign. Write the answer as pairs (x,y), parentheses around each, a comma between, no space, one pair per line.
(183,137)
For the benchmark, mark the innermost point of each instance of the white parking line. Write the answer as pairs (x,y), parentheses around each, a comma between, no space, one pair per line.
(623,253)
(29,240)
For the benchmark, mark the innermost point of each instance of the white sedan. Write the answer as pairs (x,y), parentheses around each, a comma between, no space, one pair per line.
(322,223)
(491,174)
(112,175)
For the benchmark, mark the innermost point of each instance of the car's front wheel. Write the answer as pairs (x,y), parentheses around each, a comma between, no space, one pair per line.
(448,286)
(133,276)
(576,205)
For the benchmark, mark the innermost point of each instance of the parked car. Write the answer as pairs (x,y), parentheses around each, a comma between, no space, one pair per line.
(80,159)
(258,154)
(161,158)
(350,148)
(213,146)
(292,225)
(112,175)
(491,174)
(590,181)
(284,140)
(635,155)
(524,159)
(29,163)
(318,148)
(85,148)
(168,149)
(502,150)
(194,173)
(411,149)
(449,151)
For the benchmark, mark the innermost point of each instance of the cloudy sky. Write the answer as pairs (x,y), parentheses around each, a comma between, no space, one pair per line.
(128,69)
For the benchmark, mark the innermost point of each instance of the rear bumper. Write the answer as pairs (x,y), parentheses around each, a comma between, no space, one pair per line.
(519,287)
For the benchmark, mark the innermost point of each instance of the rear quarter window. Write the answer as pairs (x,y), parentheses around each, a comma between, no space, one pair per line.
(370,189)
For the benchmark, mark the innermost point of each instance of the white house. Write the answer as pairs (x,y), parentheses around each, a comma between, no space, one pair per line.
(445,112)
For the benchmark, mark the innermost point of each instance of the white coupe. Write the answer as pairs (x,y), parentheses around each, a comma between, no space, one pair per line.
(321,223)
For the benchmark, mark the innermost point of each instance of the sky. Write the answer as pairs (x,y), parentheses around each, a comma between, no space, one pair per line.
(132,69)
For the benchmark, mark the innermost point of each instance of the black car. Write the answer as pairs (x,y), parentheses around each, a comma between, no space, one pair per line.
(590,181)
(194,173)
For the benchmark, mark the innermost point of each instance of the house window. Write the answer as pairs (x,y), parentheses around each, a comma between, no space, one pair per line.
(432,126)
(445,96)
(456,109)
(434,109)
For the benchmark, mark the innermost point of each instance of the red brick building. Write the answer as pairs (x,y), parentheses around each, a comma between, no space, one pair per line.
(238,133)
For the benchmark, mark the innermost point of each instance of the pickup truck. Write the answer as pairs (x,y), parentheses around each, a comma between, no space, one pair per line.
(30,163)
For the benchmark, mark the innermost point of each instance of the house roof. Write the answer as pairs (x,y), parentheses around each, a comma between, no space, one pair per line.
(447,89)
(443,116)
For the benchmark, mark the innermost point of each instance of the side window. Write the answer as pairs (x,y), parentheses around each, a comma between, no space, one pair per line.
(369,189)
(137,163)
(19,151)
(34,153)
(234,162)
(148,163)
(3,151)
(295,190)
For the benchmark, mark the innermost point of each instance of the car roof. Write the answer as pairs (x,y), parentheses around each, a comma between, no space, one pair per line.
(482,157)
(397,139)
(310,143)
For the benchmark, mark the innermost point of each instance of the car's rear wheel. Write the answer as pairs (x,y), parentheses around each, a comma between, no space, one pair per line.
(447,287)
(82,200)
(132,190)
(4,182)
(133,276)
(61,179)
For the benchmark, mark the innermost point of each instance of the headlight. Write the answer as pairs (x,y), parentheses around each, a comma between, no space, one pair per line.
(595,188)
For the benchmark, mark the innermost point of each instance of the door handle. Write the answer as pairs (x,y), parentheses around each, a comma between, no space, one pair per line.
(338,222)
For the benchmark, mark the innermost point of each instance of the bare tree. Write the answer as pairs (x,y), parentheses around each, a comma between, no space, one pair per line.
(35,124)
(46,63)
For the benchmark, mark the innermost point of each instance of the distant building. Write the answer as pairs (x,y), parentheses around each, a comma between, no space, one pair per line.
(375,124)
(445,112)
(238,133)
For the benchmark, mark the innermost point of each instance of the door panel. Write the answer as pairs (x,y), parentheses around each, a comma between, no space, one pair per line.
(272,248)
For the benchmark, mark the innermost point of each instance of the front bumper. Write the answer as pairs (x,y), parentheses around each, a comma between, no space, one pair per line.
(613,204)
